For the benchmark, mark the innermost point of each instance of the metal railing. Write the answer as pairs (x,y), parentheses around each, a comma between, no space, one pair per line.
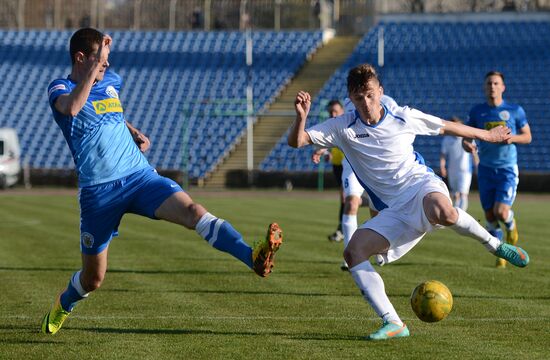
(171,14)
(345,16)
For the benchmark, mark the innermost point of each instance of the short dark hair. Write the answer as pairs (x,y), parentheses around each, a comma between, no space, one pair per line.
(83,40)
(359,76)
(333,102)
(496,73)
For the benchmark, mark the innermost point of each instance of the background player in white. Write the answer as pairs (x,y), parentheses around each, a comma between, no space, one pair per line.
(377,141)
(456,165)
(334,108)
(351,190)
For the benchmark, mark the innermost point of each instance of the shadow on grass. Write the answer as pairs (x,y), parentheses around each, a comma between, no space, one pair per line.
(231,292)
(130,271)
(245,272)
(312,336)
(14,342)
(312,294)
(19,268)
(38,338)
(31,333)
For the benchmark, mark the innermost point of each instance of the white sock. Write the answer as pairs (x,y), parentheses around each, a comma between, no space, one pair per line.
(349,225)
(468,226)
(75,282)
(203,226)
(509,223)
(463,202)
(372,287)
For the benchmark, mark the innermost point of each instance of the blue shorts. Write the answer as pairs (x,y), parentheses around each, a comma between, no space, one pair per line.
(102,206)
(497,185)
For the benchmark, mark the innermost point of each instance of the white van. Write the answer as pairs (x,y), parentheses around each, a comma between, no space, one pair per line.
(10,157)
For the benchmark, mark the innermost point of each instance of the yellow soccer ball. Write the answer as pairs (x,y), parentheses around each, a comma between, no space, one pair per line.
(431,301)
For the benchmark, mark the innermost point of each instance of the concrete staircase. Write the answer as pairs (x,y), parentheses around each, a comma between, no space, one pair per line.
(270,127)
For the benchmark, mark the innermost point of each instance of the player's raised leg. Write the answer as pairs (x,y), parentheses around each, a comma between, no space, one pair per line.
(179,208)
(364,244)
(439,210)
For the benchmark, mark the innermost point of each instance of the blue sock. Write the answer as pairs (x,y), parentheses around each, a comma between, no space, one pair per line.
(494,229)
(71,295)
(222,236)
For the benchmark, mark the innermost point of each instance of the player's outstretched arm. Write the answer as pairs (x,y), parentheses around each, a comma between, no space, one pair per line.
(499,134)
(469,146)
(298,137)
(316,156)
(72,103)
(524,136)
(140,139)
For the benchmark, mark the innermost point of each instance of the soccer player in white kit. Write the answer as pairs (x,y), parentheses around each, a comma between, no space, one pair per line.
(456,165)
(352,191)
(377,141)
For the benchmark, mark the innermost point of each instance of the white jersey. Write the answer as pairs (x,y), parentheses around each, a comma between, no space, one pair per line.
(381,155)
(458,160)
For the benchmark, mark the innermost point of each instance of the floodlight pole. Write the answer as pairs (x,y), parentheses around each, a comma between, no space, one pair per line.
(249,107)
(277,15)
(137,14)
(207,14)
(172,15)
(21,15)
(380,46)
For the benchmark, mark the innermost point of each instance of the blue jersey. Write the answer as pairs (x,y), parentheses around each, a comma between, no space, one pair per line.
(484,116)
(101,144)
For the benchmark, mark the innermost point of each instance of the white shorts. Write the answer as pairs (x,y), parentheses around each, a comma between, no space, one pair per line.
(351,185)
(405,225)
(460,181)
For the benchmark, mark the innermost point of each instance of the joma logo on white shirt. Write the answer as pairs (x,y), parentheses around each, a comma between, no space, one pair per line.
(360,136)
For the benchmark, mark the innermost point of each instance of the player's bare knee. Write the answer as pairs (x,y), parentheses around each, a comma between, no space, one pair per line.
(442,213)
(501,214)
(193,214)
(348,254)
(351,206)
(448,216)
(92,282)
(356,252)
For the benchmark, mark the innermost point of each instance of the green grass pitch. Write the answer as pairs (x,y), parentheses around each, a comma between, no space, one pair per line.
(168,295)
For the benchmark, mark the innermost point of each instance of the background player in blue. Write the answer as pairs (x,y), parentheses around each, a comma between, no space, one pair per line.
(115,178)
(498,163)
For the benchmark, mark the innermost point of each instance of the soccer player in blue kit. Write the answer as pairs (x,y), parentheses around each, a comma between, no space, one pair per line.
(115,177)
(498,163)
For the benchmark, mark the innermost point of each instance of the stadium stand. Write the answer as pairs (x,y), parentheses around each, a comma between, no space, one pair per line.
(177,85)
(438,67)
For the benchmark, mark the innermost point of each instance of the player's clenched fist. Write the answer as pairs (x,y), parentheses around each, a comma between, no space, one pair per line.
(302,104)
(499,134)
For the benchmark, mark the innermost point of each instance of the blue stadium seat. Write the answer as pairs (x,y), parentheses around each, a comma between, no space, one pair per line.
(172,80)
(438,67)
